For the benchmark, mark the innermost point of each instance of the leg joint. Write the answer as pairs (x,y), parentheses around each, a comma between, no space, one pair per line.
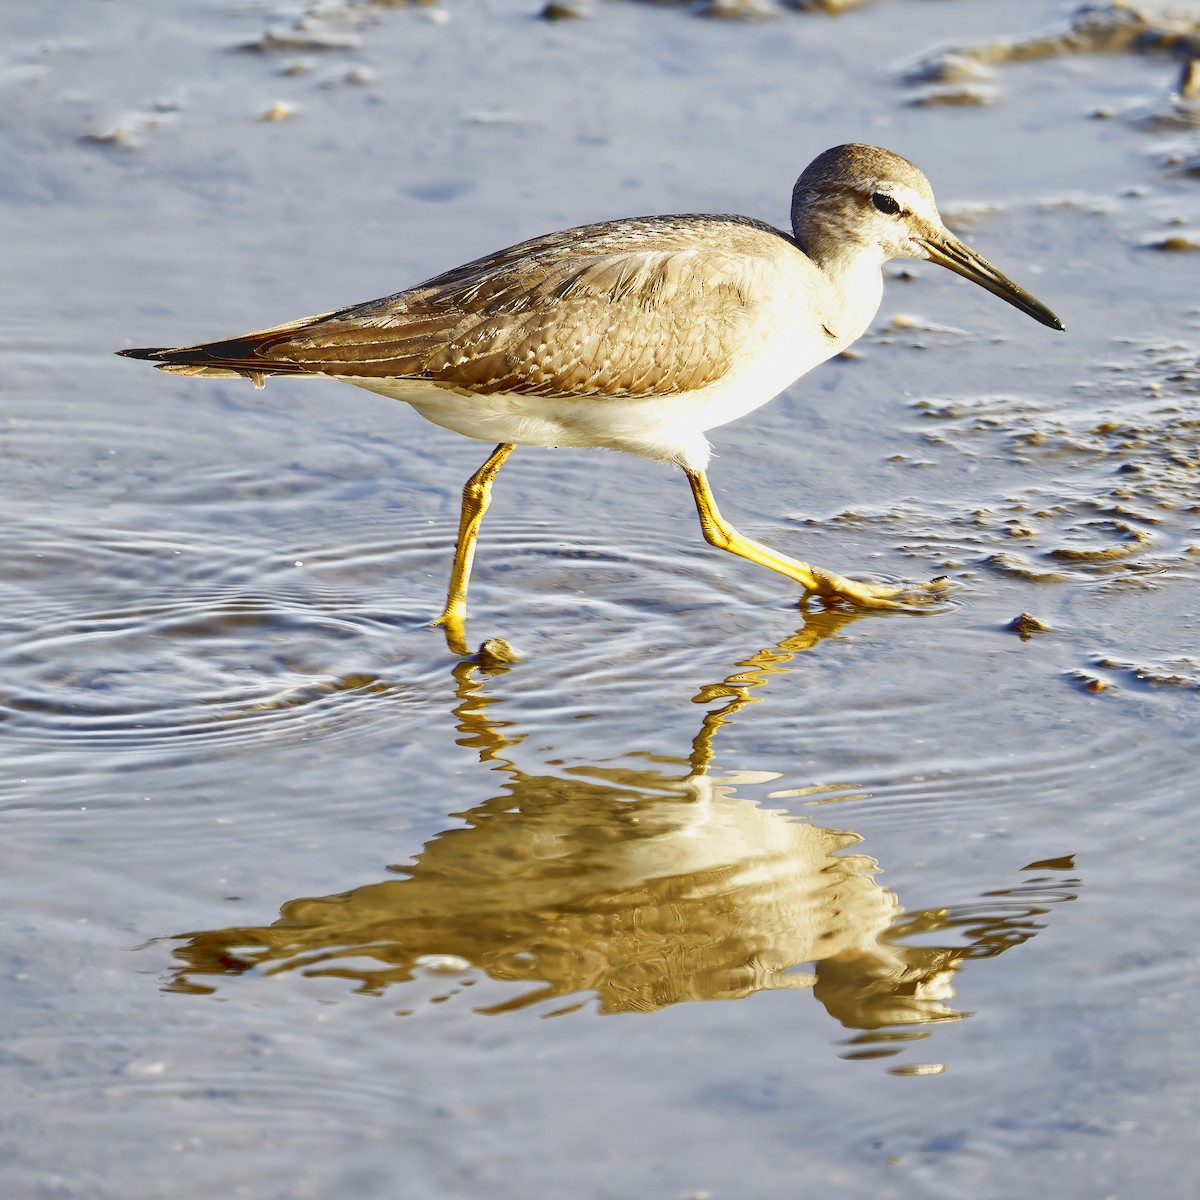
(716,535)
(475,491)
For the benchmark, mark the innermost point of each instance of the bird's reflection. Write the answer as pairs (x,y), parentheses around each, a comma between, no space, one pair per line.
(641,886)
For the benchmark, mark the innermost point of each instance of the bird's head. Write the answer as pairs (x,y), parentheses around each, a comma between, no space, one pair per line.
(857,199)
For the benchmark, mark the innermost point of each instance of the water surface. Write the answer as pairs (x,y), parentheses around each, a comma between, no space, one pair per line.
(707,893)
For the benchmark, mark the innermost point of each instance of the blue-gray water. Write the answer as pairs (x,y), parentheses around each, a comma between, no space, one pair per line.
(705,894)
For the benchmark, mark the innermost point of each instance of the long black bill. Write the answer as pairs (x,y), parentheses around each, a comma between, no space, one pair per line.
(947,251)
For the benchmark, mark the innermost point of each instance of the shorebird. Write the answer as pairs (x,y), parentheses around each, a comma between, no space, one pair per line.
(638,334)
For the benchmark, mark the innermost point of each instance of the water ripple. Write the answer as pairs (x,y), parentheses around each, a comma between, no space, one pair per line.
(141,676)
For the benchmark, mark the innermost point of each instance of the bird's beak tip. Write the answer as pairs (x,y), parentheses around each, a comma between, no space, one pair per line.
(947,251)
(1050,320)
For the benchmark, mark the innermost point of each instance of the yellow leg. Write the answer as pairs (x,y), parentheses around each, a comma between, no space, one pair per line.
(476,496)
(718,532)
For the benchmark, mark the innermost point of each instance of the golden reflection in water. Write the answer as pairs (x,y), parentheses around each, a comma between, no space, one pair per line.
(644,886)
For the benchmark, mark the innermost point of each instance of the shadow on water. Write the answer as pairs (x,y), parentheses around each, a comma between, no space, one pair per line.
(645,887)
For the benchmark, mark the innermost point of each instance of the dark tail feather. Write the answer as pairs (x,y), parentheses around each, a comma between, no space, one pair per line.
(233,358)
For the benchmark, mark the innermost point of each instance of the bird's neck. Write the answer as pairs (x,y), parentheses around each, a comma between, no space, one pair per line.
(855,277)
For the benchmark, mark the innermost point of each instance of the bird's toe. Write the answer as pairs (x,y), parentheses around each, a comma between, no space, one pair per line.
(905,597)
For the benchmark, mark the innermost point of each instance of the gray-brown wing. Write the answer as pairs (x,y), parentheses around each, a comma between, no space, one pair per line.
(637,308)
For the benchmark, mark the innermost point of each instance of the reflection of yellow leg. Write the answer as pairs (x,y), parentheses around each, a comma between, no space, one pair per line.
(718,532)
(476,496)
(737,690)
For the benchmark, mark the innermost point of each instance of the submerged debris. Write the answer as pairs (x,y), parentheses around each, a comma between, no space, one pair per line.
(1131,540)
(958,94)
(127,134)
(904,322)
(1181,672)
(1184,164)
(119,135)
(1189,80)
(301,36)
(1174,243)
(1088,683)
(356,76)
(1025,625)
(496,655)
(947,68)
(829,6)
(1115,27)
(563,11)
(738,10)
(279,111)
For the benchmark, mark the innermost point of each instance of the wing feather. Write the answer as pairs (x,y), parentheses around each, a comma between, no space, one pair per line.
(650,306)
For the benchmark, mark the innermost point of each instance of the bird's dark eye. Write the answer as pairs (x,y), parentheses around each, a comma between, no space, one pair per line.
(885,203)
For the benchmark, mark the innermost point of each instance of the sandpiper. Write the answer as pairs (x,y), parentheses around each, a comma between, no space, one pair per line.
(638,334)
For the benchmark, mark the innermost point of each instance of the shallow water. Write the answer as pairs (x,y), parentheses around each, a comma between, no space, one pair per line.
(291,895)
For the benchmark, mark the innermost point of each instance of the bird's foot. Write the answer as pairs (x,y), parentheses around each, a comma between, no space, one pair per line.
(908,597)
(454,624)
(493,655)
